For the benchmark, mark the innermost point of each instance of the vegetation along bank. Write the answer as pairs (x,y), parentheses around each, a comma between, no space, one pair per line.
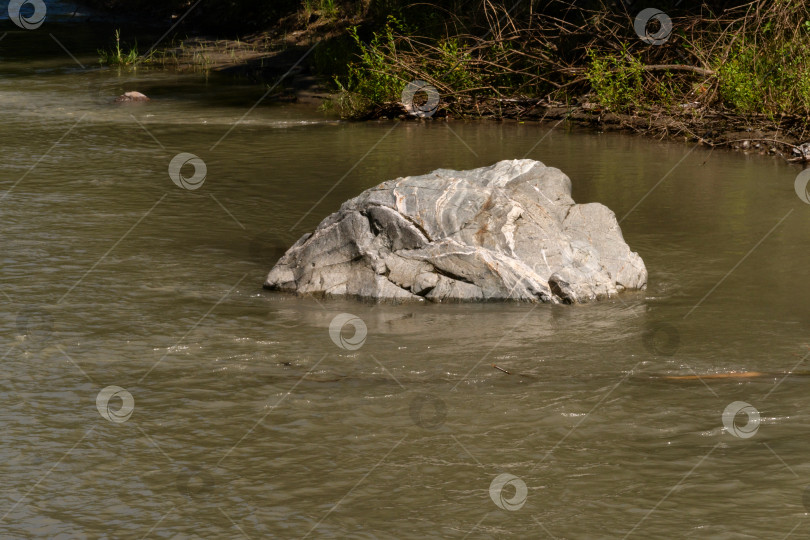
(725,73)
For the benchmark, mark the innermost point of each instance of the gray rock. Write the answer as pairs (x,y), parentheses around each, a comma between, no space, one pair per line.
(510,231)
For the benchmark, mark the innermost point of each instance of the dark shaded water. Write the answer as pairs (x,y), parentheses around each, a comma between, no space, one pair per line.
(248,420)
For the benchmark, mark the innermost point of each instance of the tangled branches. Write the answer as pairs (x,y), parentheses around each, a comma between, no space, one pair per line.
(749,59)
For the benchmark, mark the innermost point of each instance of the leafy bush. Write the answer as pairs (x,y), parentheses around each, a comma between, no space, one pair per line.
(617,80)
(370,80)
(766,78)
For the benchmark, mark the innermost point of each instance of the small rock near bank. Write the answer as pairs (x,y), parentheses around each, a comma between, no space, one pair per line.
(129,97)
(510,231)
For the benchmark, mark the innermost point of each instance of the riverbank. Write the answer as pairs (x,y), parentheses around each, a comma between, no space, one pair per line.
(735,77)
(756,134)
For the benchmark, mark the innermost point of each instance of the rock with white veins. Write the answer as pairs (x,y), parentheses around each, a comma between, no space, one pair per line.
(510,231)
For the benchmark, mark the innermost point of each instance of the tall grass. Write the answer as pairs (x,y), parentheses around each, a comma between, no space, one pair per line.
(116,56)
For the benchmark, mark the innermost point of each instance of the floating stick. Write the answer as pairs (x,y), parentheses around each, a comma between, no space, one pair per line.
(730,375)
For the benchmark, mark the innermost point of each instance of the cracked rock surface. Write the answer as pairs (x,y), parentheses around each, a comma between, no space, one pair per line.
(510,231)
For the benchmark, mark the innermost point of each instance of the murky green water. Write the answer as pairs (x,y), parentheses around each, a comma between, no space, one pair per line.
(248,420)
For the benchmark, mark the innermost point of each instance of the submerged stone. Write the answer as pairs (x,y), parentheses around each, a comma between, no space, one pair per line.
(129,97)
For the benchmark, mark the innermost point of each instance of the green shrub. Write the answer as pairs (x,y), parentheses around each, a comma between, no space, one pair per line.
(370,80)
(617,80)
(768,79)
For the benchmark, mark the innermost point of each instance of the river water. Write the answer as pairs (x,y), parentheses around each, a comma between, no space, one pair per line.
(151,388)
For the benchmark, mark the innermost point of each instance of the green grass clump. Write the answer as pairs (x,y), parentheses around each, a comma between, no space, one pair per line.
(117,56)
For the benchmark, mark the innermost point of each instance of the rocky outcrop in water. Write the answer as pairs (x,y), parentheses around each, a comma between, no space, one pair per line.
(510,231)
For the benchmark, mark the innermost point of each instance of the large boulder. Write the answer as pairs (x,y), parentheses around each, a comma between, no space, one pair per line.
(510,231)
